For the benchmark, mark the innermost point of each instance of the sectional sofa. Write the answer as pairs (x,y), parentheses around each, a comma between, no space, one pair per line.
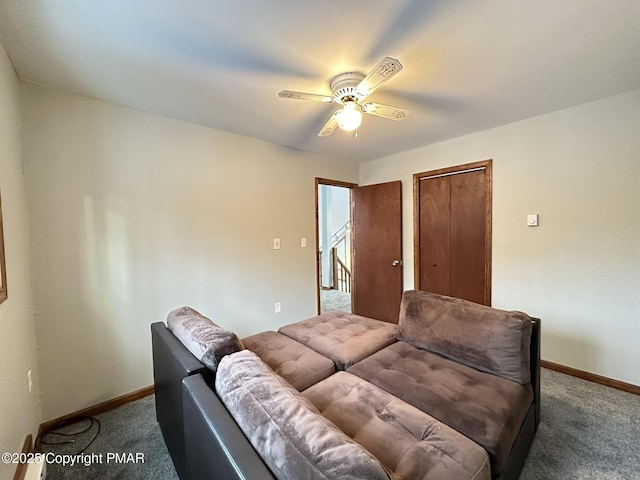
(451,392)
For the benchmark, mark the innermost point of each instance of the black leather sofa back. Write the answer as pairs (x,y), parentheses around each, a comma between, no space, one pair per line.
(220,450)
(171,363)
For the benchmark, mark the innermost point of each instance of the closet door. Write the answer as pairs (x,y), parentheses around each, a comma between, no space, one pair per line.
(435,235)
(468,236)
(453,231)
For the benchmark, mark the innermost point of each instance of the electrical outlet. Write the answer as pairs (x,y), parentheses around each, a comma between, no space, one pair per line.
(278,307)
(303,242)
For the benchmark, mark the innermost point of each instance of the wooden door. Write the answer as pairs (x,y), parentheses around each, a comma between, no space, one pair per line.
(435,236)
(453,231)
(377,250)
(468,237)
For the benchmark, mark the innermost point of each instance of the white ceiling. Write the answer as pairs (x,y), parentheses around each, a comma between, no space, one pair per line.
(469,65)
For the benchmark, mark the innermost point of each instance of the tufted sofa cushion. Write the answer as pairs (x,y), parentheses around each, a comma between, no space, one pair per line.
(204,339)
(408,442)
(287,431)
(299,365)
(343,337)
(485,338)
(486,408)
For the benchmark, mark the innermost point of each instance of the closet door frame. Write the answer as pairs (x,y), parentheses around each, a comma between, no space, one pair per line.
(486,166)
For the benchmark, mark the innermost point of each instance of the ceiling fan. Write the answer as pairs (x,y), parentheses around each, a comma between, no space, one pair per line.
(349,89)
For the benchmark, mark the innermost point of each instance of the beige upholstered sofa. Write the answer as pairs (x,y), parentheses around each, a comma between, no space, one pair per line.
(451,392)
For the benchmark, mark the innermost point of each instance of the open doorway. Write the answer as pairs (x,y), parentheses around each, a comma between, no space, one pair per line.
(334,245)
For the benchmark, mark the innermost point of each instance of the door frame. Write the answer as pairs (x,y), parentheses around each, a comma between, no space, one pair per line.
(487,166)
(332,183)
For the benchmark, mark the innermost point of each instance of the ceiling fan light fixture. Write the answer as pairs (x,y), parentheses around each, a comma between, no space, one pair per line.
(349,89)
(350,117)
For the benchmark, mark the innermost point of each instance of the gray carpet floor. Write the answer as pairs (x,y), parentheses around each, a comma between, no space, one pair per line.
(331,300)
(588,432)
(131,428)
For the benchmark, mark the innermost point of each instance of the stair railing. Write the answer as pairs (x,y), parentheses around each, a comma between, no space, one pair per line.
(341,274)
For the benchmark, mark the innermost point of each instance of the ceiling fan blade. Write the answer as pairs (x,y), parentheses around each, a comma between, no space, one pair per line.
(330,126)
(305,96)
(393,113)
(383,71)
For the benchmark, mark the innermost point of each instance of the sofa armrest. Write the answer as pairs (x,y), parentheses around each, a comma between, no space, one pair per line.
(171,363)
(534,351)
(169,348)
(215,447)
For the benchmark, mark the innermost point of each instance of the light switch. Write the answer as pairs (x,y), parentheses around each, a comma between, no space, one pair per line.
(532,219)
(276,244)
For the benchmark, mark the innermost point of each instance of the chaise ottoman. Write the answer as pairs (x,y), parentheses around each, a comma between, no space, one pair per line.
(343,337)
(408,442)
(296,363)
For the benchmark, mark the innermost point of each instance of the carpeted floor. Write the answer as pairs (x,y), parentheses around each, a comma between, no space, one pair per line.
(588,432)
(130,429)
(331,300)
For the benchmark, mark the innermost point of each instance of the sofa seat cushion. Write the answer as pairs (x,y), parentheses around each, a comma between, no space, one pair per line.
(408,442)
(299,365)
(488,339)
(343,337)
(486,408)
(207,341)
(286,430)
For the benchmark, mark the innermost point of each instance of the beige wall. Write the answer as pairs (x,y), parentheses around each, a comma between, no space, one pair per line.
(579,169)
(133,215)
(19,410)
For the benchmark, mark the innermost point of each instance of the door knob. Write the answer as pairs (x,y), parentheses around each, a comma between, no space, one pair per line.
(395,263)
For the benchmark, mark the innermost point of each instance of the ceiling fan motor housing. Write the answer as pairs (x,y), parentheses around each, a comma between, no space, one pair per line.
(344,86)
